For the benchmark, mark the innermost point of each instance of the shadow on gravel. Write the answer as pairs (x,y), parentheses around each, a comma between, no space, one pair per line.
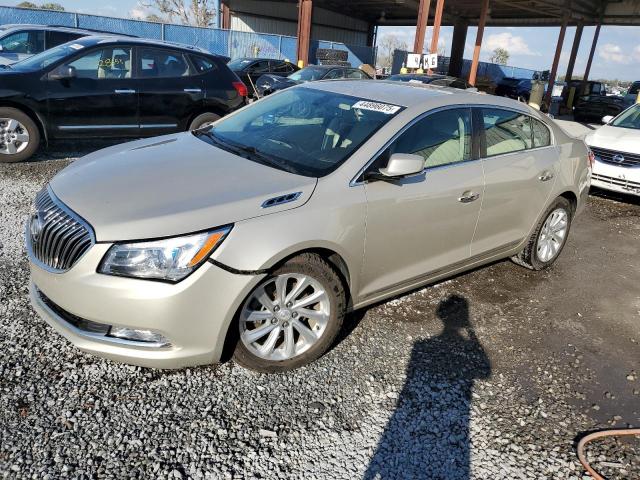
(428,434)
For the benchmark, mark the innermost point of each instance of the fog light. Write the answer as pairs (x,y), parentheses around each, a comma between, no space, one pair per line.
(148,336)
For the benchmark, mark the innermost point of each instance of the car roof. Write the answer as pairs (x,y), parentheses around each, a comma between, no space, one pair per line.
(93,40)
(57,28)
(413,95)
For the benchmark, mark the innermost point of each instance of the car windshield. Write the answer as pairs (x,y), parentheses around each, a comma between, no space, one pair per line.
(46,58)
(301,130)
(308,74)
(239,63)
(630,118)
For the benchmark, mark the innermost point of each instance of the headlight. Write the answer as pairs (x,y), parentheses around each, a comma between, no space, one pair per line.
(171,259)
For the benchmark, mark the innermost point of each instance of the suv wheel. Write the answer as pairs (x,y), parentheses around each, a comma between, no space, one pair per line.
(549,237)
(203,120)
(19,136)
(292,317)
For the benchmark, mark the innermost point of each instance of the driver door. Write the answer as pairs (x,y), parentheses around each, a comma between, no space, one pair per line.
(422,225)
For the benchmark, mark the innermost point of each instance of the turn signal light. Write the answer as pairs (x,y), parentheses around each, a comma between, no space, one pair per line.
(241,88)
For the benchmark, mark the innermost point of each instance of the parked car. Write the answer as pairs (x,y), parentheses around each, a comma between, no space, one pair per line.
(18,42)
(258,233)
(632,95)
(515,88)
(616,147)
(583,89)
(268,84)
(594,107)
(91,87)
(436,79)
(250,69)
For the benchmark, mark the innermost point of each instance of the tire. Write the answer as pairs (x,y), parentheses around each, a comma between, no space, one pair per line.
(14,125)
(203,120)
(532,257)
(279,324)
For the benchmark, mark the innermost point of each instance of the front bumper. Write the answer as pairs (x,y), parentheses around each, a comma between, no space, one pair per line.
(615,178)
(193,315)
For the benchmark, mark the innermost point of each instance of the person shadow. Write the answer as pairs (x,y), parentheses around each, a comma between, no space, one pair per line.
(428,434)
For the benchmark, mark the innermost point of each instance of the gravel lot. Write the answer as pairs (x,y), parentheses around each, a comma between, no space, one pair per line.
(493,374)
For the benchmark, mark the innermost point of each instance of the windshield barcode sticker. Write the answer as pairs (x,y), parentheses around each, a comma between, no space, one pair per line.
(377,107)
(76,46)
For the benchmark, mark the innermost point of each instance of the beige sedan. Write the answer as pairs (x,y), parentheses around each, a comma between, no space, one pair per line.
(257,234)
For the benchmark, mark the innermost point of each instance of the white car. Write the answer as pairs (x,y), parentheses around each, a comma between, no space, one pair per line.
(616,147)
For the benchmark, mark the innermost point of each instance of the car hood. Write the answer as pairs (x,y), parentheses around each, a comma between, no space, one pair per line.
(615,138)
(171,185)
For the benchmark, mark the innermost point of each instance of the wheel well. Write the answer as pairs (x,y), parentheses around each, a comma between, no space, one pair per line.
(199,112)
(573,200)
(33,115)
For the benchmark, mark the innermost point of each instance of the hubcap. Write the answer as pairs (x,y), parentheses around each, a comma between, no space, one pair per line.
(552,235)
(284,317)
(14,136)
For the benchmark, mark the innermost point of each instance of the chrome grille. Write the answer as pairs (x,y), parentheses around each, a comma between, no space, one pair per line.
(56,237)
(622,159)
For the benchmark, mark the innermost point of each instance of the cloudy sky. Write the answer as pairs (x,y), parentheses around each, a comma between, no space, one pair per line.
(617,55)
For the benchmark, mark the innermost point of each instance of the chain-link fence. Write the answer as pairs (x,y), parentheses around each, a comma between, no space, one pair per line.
(230,43)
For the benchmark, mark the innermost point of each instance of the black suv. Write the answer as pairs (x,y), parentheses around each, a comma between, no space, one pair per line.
(111,87)
(250,69)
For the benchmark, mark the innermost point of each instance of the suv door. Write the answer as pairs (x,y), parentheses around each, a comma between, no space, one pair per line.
(520,163)
(170,92)
(100,100)
(421,225)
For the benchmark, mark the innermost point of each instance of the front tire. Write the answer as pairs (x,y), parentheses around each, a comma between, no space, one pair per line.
(203,120)
(292,317)
(548,238)
(19,136)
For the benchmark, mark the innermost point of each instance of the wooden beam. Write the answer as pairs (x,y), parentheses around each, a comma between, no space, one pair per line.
(437,21)
(226,17)
(574,53)
(556,61)
(476,50)
(305,10)
(421,25)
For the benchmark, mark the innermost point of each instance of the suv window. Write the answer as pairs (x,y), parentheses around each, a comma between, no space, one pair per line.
(259,67)
(541,134)
(159,63)
(27,42)
(333,74)
(104,64)
(506,131)
(55,38)
(202,64)
(282,67)
(442,138)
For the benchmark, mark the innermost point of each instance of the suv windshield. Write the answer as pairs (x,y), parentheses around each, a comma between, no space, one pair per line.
(46,58)
(301,130)
(308,74)
(630,118)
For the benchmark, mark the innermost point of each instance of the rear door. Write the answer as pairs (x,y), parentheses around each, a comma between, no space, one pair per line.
(519,163)
(171,93)
(102,98)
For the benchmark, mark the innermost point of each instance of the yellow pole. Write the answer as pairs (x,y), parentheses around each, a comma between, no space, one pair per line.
(638,98)
(572,94)
(300,63)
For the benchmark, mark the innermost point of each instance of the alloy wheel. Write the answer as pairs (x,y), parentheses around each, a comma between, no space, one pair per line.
(14,136)
(552,235)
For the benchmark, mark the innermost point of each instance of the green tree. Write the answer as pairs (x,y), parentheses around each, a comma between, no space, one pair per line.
(44,6)
(199,13)
(499,56)
(27,5)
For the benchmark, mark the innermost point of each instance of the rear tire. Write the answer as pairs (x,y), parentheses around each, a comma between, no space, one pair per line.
(203,120)
(19,136)
(274,334)
(548,238)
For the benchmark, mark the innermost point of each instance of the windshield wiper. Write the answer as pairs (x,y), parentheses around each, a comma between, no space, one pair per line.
(5,66)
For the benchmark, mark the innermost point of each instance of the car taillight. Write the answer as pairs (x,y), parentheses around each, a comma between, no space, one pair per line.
(592,158)
(241,88)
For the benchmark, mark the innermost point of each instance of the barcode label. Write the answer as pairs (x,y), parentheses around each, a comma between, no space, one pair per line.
(377,107)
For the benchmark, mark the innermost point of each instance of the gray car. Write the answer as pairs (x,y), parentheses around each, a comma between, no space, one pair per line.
(257,234)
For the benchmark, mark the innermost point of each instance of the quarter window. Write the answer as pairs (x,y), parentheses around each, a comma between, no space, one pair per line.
(202,64)
(442,138)
(55,38)
(506,131)
(104,64)
(157,63)
(541,134)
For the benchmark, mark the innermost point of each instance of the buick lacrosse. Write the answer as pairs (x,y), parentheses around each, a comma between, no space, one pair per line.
(255,235)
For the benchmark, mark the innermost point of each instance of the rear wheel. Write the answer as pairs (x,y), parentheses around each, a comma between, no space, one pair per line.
(19,136)
(549,237)
(203,120)
(292,317)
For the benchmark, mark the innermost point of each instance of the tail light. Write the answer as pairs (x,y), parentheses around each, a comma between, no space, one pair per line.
(592,158)
(241,88)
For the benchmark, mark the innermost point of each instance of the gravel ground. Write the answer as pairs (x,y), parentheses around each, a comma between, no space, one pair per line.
(493,374)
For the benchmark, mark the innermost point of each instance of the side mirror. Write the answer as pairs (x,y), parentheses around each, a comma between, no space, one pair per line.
(400,165)
(606,120)
(63,72)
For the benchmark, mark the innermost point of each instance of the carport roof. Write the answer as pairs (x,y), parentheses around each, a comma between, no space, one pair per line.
(501,12)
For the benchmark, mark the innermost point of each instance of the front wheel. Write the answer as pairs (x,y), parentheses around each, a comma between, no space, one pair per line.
(203,120)
(292,317)
(548,238)
(19,136)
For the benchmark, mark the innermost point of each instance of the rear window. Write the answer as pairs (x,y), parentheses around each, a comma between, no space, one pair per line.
(202,64)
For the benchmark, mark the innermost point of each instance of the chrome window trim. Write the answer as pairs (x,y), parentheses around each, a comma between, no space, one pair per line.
(159,125)
(354,181)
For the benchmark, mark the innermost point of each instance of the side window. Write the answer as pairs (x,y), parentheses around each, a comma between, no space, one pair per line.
(58,38)
(282,67)
(202,64)
(333,74)
(354,74)
(159,63)
(442,138)
(104,64)
(28,42)
(259,67)
(541,134)
(506,131)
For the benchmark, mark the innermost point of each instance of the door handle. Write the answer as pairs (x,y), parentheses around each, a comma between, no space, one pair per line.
(125,92)
(193,90)
(468,197)
(545,176)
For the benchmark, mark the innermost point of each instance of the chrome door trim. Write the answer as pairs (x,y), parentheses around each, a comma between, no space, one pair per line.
(125,91)
(159,125)
(95,127)
(192,90)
